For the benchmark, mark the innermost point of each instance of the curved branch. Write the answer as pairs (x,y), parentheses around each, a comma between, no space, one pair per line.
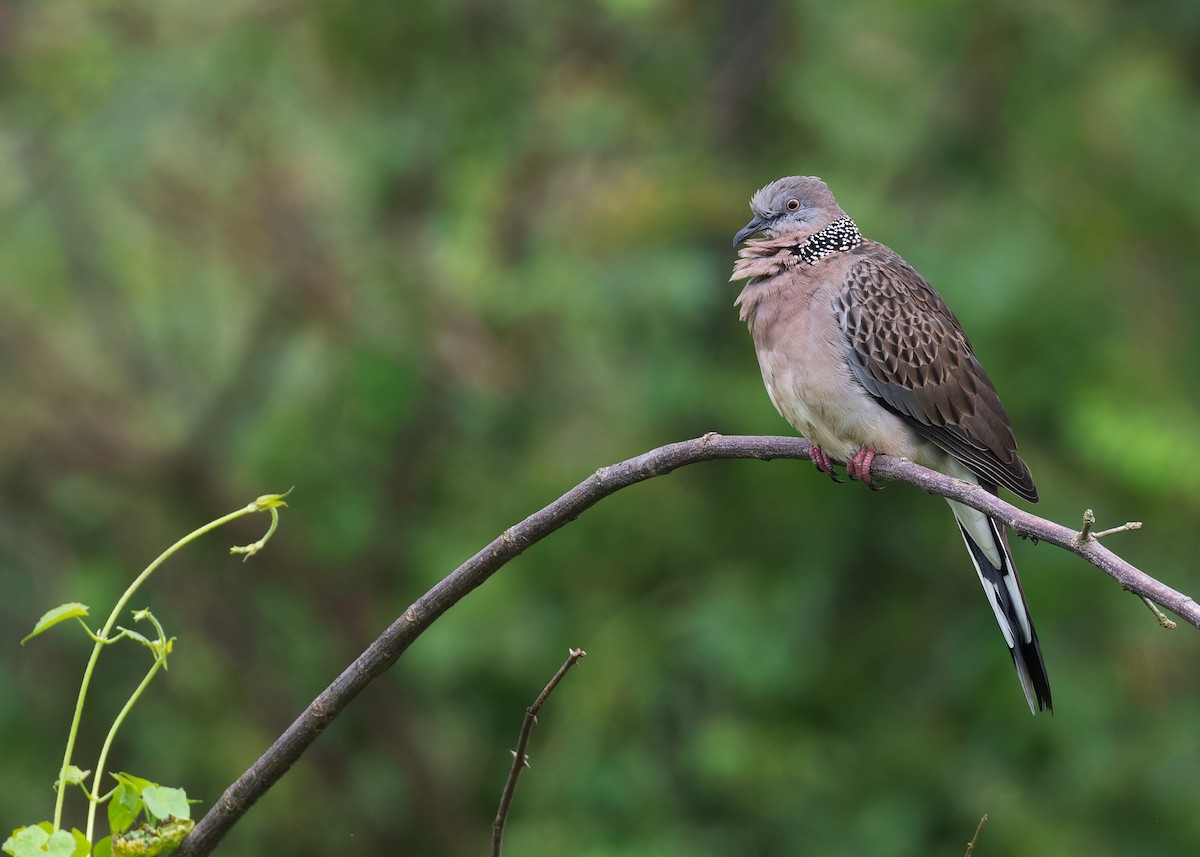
(392,643)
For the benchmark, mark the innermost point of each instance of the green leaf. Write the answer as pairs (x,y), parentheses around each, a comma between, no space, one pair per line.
(75,775)
(60,844)
(61,613)
(163,802)
(123,809)
(82,847)
(135,636)
(103,848)
(146,840)
(41,840)
(162,648)
(174,830)
(26,841)
(137,784)
(271,501)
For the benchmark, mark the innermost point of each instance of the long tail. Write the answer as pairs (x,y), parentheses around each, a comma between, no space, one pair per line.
(988,546)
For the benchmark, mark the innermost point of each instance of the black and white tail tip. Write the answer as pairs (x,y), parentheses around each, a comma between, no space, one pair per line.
(1003,588)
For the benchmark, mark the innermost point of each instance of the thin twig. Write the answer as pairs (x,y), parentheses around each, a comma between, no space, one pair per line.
(1089,521)
(971,844)
(520,757)
(1162,617)
(1124,528)
(1086,534)
(393,642)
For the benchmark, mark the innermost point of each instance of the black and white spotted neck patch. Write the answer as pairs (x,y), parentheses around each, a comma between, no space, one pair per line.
(837,237)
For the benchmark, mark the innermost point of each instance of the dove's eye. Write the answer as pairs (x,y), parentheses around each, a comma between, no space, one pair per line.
(792,204)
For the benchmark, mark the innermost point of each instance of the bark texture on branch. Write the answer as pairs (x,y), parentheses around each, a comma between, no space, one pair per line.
(390,645)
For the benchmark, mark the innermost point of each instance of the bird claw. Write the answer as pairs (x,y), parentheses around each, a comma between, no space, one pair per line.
(822,461)
(859,467)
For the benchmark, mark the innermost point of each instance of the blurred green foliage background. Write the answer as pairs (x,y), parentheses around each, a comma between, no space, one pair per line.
(433,263)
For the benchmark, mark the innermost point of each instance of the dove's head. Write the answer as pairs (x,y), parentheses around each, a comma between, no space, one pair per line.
(796,205)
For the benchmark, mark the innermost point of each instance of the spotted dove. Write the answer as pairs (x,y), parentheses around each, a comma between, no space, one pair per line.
(861,355)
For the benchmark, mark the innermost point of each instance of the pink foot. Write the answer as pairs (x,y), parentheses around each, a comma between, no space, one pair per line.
(822,461)
(859,467)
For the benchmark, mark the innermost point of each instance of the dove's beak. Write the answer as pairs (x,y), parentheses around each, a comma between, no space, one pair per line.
(758,224)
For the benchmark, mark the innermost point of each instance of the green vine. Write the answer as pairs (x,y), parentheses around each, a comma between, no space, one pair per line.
(166,810)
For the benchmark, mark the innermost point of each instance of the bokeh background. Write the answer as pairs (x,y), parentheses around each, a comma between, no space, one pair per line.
(434,262)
